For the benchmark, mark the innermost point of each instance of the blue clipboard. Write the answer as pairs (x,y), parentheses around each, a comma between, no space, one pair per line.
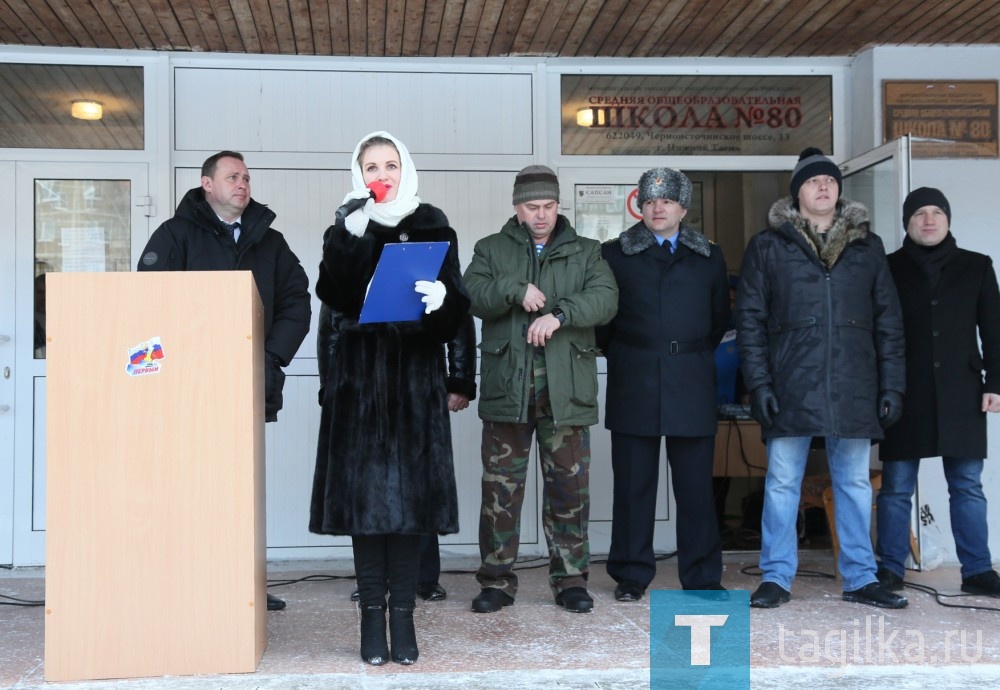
(391,296)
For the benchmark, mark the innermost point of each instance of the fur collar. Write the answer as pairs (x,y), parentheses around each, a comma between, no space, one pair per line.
(850,224)
(639,238)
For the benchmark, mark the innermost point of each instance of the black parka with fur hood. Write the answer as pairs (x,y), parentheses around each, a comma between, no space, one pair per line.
(820,323)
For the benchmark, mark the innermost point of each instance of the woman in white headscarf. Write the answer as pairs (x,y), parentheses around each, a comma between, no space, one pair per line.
(384,471)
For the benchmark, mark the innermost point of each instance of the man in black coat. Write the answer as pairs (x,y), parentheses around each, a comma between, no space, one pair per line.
(673,306)
(218,227)
(948,295)
(820,336)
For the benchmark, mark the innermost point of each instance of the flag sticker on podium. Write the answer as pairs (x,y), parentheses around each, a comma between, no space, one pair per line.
(144,358)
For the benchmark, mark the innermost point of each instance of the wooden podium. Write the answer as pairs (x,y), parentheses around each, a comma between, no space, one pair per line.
(155,550)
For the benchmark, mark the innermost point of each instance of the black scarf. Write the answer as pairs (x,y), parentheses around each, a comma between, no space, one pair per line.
(931,260)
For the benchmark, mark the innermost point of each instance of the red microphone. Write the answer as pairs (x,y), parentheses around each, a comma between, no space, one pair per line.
(376,191)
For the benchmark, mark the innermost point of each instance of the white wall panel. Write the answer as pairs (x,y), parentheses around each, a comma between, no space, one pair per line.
(326,111)
(291,459)
(477,203)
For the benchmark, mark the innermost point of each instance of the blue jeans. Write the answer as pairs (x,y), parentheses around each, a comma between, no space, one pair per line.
(966,502)
(852,496)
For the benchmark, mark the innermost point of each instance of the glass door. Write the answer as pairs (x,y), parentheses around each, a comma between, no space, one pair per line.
(880,179)
(68,217)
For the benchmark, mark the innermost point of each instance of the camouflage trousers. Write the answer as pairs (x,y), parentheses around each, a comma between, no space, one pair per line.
(564,456)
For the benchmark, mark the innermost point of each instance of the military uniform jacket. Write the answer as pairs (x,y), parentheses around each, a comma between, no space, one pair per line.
(672,313)
(942,413)
(573,277)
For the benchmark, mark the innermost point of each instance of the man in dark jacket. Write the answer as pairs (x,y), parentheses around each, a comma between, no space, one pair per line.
(540,290)
(820,336)
(218,227)
(948,295)
(673,306)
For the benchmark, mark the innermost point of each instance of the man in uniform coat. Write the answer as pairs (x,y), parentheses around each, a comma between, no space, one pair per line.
(948,294)
(673,306)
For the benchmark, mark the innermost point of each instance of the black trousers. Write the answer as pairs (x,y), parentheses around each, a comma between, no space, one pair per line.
(635,461)
(430,559)
(387,563)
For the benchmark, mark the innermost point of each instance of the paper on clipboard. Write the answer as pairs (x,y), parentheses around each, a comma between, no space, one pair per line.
(391,296)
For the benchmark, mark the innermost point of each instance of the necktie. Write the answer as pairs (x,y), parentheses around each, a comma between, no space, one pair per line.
(232,228)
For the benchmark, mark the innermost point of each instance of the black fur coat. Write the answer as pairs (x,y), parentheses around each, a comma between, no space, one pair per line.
(384,457)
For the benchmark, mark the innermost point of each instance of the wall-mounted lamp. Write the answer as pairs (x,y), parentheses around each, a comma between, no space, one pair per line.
(585,117)
(87,110)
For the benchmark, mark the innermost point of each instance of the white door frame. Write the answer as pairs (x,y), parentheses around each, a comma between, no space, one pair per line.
(29,391)
(7,368)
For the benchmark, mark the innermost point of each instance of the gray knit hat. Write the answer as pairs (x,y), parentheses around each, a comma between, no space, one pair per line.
(811,163)
(535,183)
(665,183)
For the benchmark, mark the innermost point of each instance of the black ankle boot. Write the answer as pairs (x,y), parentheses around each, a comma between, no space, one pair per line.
(374,649)
(404,637)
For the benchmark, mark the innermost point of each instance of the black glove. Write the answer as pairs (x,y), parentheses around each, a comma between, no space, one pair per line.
(274,382)
(890,408)
(764,406)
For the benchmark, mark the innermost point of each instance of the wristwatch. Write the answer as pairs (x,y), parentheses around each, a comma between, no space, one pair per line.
(559,314)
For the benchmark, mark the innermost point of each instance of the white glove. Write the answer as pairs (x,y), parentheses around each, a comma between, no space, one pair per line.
(357,222)
(433,294)
(357,194)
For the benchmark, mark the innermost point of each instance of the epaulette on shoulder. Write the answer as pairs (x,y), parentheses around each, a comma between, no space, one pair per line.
(612,240)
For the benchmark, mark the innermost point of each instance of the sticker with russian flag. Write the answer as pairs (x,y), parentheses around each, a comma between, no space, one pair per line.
(145,358)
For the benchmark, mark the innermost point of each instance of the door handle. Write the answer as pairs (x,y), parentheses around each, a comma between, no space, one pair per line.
(4,338)
(6,372)
(4,408)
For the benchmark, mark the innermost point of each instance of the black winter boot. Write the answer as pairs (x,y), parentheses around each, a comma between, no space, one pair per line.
(374,649)
(403,635)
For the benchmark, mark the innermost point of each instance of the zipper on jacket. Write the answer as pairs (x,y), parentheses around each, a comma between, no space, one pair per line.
(829,355)
(529,350)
